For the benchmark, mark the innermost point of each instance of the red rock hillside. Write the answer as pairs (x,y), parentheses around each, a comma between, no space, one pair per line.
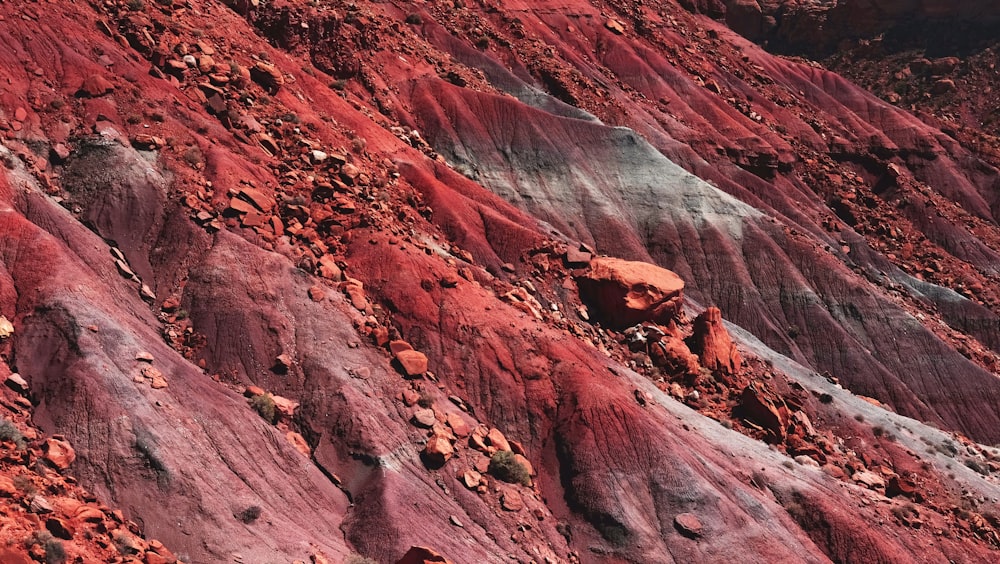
(552,281)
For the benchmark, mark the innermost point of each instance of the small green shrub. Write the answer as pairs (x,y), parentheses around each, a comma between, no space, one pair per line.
(9,432)
(264,406)
(54,552)
(250,514)
(426,400)
(977,466)
(505,467)
(414,19)
(25,485)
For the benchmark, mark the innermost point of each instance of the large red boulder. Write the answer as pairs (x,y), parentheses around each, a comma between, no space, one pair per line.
(623,293)
(712,344)
(422,555)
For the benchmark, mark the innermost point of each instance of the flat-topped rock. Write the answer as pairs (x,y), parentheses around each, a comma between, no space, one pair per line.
(623,293)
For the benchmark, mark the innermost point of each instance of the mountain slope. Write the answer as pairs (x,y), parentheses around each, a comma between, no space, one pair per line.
(281,200)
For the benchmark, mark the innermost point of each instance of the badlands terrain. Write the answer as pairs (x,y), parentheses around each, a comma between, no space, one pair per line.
(475,281)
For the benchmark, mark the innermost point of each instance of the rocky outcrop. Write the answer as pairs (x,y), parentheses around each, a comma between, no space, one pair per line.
(301,236)
(624,293)
(817,28)
(712,343)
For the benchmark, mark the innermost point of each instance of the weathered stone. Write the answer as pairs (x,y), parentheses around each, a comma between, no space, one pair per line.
(59,453)
(299,442)
(316,293)
(17,383)
(422,555)
(95,86)
(458,425)
(40,505)
(268,76)
(673,354)
(712,343)
(423,418)
(760,410)
(615,27)
(410,397)
(870,480)
(526,463)
(577,258)
(437,451)
(284,405)
(471,479)
(284,361)
(6,327)
(414,363)
(624,293)
(328,268)
(397,346)
(89,514)
(496,439)
(59,528)
(510,500)
(156,379)
(688,525)
(7,487)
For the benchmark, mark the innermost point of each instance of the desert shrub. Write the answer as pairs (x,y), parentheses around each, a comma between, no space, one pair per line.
(54,551)
(426,400)
(264,406)
(977,466)
(358,559)
(505,467)
(10,433)
(947,448)
(414,19)
(192,156)
(24,485)
(250,514)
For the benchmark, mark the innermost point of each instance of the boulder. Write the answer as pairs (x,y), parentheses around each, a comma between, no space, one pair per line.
(746,18)
(712,343)
(625,293)
(672,354)
(437,451)
(59,453)
(422,555)
(423,418)
(510,500)
(688,525)
(414,363)
(870,480)
(6,327)
(95,86)
(471,479)
(59,528)
(268,76)
(496,439)
(458,425)
(17,383)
